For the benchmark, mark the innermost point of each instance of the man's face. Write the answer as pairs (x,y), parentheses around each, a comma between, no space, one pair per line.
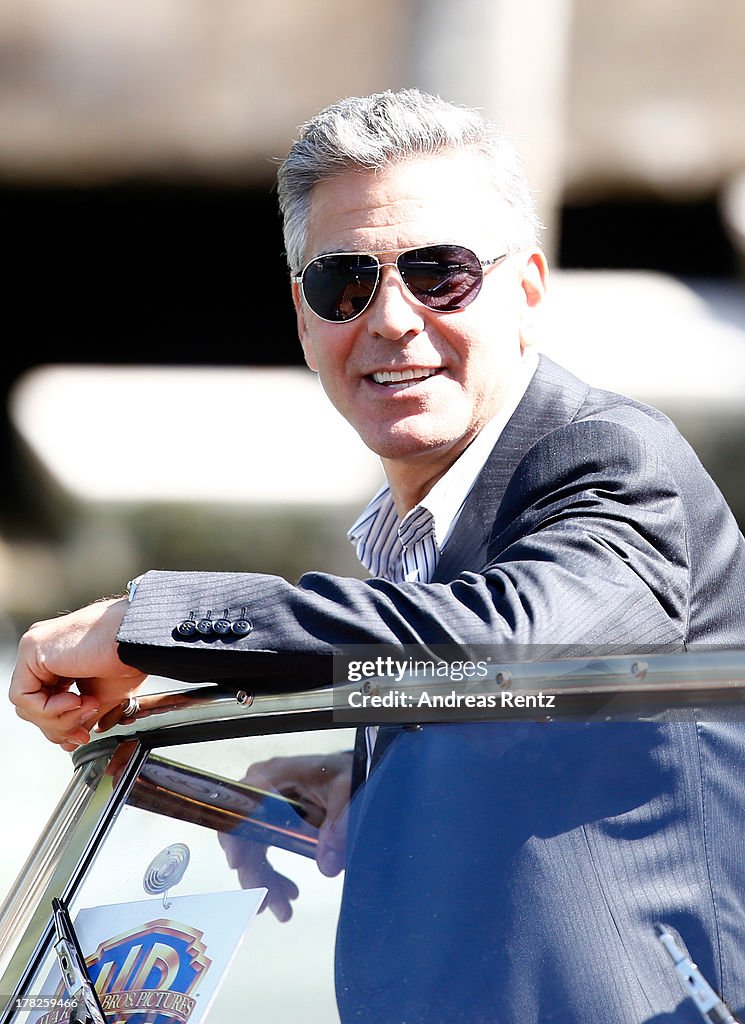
(463,363)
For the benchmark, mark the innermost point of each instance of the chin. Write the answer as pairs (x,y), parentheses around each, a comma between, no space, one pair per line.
(416,436)
(409,446)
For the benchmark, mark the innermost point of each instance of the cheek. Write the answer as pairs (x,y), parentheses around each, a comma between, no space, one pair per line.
(490,359)
(498,331)
(330,353)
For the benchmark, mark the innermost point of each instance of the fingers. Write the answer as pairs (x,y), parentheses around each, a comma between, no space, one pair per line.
(46,701)
(332,836)
(280,891)
(52,654)
(332,847)
(65,718)
(321,784)
(249,859)
(72,726)
(112,717)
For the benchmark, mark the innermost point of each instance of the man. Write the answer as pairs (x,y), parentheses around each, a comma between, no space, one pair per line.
(522,508)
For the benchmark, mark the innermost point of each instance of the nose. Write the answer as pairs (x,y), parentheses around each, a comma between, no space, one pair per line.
(394,313)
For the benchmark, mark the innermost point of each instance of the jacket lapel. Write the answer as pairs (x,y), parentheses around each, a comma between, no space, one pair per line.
(552,399)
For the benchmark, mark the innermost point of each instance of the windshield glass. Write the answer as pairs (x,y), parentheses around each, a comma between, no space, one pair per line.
(208,829)
(418,873)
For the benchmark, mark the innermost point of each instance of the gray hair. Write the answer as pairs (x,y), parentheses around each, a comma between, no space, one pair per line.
(374,132)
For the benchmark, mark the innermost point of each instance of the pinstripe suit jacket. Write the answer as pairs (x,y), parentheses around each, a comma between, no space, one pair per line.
(505,873)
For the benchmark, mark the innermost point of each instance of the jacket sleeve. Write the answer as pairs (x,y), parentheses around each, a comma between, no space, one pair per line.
(588,550)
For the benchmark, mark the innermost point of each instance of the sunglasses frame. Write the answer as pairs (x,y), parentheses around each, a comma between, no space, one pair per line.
(298,279)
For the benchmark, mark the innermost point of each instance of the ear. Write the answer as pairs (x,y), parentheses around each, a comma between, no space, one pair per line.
(302,327)
(534,282)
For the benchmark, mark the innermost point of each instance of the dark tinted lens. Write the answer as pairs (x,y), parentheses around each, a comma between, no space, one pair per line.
(443,277)
(339,287)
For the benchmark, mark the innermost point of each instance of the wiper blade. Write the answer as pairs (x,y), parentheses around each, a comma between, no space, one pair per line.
(709,1005)
(87,1007)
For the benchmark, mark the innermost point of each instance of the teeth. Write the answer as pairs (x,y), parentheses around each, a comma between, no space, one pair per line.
(397,376)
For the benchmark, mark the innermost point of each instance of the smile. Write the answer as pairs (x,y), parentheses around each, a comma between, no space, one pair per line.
(405,378)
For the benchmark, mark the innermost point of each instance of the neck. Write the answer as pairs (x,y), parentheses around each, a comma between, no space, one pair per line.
(411,480)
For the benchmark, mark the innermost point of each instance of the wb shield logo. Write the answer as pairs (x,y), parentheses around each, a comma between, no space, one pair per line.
(146,976)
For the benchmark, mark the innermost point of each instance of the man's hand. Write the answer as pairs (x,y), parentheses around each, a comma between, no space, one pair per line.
(322,783)
(76,648)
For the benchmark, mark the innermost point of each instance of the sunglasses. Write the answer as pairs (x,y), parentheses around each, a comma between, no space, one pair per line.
(340,286)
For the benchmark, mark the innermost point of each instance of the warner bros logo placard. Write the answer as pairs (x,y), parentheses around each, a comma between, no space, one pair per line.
(162,970)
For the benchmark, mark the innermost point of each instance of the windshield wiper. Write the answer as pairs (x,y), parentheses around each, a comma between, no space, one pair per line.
(87,1007)
(709,1005)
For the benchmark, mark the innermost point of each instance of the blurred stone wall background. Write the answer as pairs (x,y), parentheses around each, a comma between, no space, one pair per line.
(138,146)
(605,96)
